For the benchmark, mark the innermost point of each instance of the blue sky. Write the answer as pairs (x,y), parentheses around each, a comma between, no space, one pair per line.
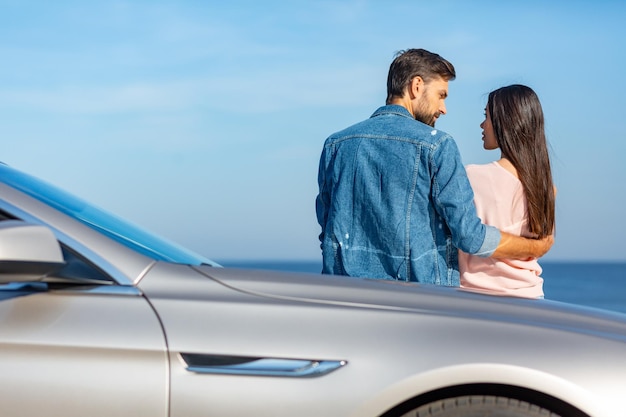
(204,121)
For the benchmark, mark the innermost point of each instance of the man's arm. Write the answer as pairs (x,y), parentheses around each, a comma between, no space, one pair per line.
(322,201)
(517,247)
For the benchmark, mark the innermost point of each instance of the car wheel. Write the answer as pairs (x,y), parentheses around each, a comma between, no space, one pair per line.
(479,406)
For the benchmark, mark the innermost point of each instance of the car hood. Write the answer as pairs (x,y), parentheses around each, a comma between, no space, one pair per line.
(418,298)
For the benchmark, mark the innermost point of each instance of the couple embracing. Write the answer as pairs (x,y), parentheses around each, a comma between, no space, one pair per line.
(395,201)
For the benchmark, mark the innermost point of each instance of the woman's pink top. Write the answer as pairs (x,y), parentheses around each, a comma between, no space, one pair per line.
(500,202)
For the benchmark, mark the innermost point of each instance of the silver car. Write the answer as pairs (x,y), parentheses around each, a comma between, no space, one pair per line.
(99,318)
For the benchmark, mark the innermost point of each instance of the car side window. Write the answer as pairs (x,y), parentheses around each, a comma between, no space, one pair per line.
(78,268)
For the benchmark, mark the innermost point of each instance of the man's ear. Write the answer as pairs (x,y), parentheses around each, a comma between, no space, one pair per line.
(416,87)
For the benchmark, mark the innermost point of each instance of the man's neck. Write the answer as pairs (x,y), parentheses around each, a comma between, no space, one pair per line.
(404,102)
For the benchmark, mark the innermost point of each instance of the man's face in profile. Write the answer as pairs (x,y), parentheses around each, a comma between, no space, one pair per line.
(431,102)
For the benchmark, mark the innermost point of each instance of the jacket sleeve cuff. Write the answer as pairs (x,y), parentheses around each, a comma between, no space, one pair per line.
(491,242)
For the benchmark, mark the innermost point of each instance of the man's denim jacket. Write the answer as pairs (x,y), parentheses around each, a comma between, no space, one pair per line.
(395,203)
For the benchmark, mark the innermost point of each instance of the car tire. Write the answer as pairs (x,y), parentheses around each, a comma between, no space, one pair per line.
(479,406)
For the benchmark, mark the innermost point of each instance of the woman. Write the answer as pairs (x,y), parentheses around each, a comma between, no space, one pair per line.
(515,193)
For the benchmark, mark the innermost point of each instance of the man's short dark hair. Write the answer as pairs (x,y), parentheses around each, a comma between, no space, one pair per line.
(411,63)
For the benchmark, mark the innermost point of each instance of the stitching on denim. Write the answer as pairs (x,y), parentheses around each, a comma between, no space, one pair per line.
(407,228)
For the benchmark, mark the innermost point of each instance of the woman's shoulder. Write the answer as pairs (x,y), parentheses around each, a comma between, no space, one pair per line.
(492,170)
(481,170)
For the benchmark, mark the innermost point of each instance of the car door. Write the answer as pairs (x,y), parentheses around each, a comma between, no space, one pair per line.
(80,349)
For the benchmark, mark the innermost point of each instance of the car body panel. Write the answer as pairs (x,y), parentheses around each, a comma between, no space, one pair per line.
(122,344)
(77,350)
(417,341)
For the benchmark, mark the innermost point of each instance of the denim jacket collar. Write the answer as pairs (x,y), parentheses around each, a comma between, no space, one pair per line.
(393,109)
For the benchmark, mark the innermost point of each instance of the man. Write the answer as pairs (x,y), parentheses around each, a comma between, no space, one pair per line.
(394,199)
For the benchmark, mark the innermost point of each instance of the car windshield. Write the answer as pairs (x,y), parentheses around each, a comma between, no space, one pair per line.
(112,226)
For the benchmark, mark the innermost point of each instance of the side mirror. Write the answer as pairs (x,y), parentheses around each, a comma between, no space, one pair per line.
(28,252)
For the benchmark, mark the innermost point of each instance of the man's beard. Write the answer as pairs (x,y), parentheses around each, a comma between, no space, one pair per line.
(424,113)
(424,116)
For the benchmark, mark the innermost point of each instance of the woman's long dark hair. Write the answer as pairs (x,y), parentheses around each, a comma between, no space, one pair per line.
(518,125)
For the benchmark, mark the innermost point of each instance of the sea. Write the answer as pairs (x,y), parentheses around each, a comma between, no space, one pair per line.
(592,284)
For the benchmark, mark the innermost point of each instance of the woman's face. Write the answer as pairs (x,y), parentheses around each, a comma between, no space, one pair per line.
(489,138)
